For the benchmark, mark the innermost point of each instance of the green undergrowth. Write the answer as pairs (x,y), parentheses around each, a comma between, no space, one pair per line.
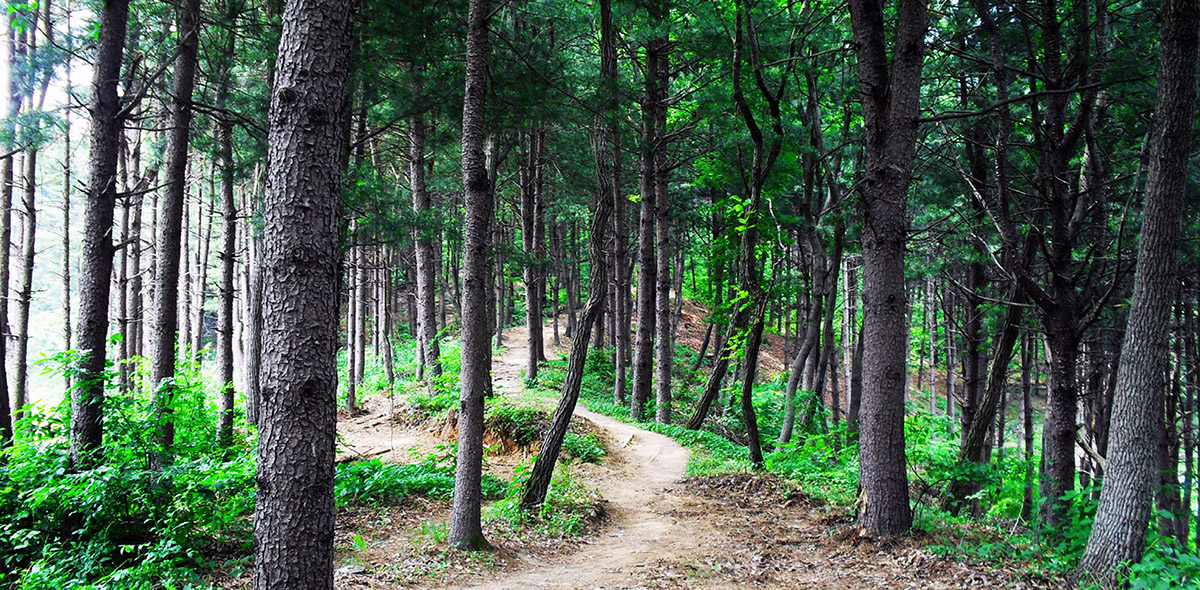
(374,482)
(568,510)
(711,452)
(125,525)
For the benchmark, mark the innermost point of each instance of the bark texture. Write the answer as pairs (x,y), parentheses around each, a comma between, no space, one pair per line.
(170,218)
(294,512)
(1119,533)
(97,256)
(466,530)
(891,104)
(426,265)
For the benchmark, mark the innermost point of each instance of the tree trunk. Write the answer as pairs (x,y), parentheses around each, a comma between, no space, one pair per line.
(475,374)
(426,267)
(25,286)
(361,305)
(12,106)
(1119,534)
(254,317)
(66,234)
(200,295)
(1028,358)
(97,255)
(891,106)
(643,360)
(170,217)
(534,492)
(300,262)
(228,259)
(664,353)
(974,448)
(530,204)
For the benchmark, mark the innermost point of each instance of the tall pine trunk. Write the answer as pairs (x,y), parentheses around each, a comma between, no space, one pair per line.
(1119,534)
(170,218)
(466,530)
(97,255)
(300,266)
(890,88)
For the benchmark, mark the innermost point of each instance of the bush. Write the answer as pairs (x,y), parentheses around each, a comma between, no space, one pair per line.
(569,506)
(521,424)
(587,448)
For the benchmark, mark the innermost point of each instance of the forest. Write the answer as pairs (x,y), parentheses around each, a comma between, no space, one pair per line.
(315,294)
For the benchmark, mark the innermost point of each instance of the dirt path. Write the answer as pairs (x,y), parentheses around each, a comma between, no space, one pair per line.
(643,466)
(730,531)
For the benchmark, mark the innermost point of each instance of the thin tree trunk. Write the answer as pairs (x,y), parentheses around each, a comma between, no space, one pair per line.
(1028,352)
(163,322)
(12,106)
(426,267)
(229,236)
(25,289)
(66,224)
(200,294)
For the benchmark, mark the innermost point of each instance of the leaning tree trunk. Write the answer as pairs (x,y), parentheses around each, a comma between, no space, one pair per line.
(170,218)
(534,491)
(294,514)
(466,530)
(1119,534)
(97,257)
(891,106)
(973,449)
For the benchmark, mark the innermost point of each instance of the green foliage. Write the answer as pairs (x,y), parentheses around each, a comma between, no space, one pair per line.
(374,482)
(568,508)
(587,448)
(121,524)
(1165,568)
(824,469)
(521,424)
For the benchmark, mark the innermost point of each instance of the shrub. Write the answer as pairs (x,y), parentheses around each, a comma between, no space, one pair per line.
(521,424)
(587,448)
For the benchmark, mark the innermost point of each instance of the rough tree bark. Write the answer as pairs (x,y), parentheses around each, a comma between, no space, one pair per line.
(664,340)
(1119,534)
(229,242)
(12,104)
(293,519)
(466,531)
(890,91)
(426,265)
(97,255)
(643,358)
(170,218)
(534,491)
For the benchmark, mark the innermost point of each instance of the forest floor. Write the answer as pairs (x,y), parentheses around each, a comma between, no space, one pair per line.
(658,529)
(652,527)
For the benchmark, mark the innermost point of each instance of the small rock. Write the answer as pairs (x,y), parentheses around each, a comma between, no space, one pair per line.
(351,569)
